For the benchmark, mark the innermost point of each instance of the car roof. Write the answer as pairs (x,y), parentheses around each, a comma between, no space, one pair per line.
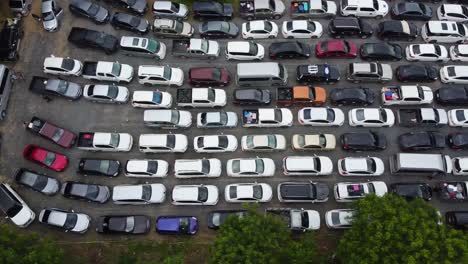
(438,26)
(164,22)
(243,190)
(238,46)
(262,4)
(257,24)
(162,5)
(143,95)
(361,3)
(355,164)
(451,8)
(137,165)
(158,115)
(299,24)
(151,70)
(53,61)
(185,193)
(463,49)
(124,192)
(57,218)
(300,162)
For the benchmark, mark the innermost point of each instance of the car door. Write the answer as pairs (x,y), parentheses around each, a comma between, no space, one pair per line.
(366,12)
(302,33)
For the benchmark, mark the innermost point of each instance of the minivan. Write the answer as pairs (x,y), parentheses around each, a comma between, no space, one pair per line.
(5,88)
(423,164)
(163,143)
(261,74)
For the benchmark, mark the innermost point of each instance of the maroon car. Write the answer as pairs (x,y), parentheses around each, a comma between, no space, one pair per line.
(209,76)
(336,49)
(59,136)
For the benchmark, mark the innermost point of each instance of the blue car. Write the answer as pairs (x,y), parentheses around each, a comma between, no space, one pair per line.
(177,225)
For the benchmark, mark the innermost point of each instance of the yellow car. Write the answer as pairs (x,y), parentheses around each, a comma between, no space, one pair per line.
(313,142)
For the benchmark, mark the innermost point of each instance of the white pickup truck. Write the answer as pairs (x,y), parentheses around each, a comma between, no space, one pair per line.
(267,117)
(407,95)
(107,71)
(201,97)
(99,141)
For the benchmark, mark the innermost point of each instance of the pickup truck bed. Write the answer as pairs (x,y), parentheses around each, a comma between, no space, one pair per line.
(85,139)
(454,191)
(300,7)
(184,96)
(250,116)
(284,94)
(180,46)
(60,136)
(89,68)
(246,7)
(38,84)
(392,93)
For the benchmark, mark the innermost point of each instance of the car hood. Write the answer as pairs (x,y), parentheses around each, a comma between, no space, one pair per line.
(126,72)
(213,48)
(279,6)
(23,216)
(125,142)
(322,191)
(387,71)
(232,119)
(314,219)
(82,223)
(183,10)
(103,194)
(331,7)
(177,76)
(50,25)
(102,15)
(123,95)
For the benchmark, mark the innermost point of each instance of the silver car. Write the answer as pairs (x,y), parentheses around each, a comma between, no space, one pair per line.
(50,15)
(219,119)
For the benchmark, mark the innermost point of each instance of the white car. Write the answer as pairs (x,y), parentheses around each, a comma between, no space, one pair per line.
(259,29)
(451,12)
(250,167)
(163,143)
(361,166)
(458,117)
(195,195)
(307,165)
(69,221)
(248,193)
(244,51)
(219,119)
(14,207)
(321,116)
(427,52)
(460,166)
(364,8)
(139,194)
(146,168)
(143,47)
(459,52)
(371,117)
(444,32)
(352,191)
(151,99)
(302,29)
(339,218)
(103,93)
(270,142)
(51,14)
(62,66)
(454,74)
(162,75)
(215,143)
(197,168)
(167,118)
(308,142)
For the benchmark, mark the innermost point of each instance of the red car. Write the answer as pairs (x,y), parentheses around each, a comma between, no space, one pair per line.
(47,158)
(209,76)
(336,49)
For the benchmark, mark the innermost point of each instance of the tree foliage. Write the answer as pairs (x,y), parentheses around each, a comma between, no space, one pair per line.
(394,230)
(28,248)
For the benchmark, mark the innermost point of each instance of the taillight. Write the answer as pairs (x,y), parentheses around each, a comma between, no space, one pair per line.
(455,147)
(344,172)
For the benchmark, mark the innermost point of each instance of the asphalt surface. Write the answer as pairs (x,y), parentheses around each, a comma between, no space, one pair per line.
(83,115)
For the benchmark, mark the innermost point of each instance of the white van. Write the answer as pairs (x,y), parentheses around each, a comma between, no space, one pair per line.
(261,74)
(423,164)
(163,143)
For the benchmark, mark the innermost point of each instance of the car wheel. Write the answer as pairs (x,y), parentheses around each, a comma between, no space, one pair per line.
(250,38)
(271,37)
(249,18)
(290,37)
(378,17)
(365,36)
(3,114)
(277,17)
(432,41)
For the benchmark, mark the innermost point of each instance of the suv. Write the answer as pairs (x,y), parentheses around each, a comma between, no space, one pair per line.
(444,32)
(14,207)
(169,9)
(90,38)
(369,72)
(10,38)
(212,10)
(349,26)
(197,168)
(5,87)
(364,8)
(303,192)
(312,73)
(397,30)
(171,28)
(363,141)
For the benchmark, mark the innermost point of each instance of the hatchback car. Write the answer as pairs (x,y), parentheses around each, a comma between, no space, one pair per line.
(307,165)
(252,96)
(458,117)
(84,191)
(412,190)
(302,29)
(195,195)
(321,116)
(46,158)
(411,11)
(146,168)
(422,140)
(68,221)
(458,140)
(452,95)
(250,167)
(244,50)
(62,66)
(454,74)
(350,26)
(460,166)
(416,73)
(381,51)
(215,143)
(426,52)
(218,29)
(169,9)
(99,167)
(269,142)
(259,29)
(177,225)
(130,22)
(339,218)
(171,28)
(371,117)
(459,52)
(363,141)
(123,224)
(36,181)
(336,49)
(361,166)
(89,10)
(209,76)
(352,191)
(397,30)
(219,119)
(106,93)
(289,50)
(151,99)
(303,192)
(352,96)
(451,12)
(139,194)
(313,142)
(248,193)
(13,207)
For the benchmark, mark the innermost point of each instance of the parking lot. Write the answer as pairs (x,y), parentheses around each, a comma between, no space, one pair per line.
(83,115)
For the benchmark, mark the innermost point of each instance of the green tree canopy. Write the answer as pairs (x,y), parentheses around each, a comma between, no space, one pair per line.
(393,230)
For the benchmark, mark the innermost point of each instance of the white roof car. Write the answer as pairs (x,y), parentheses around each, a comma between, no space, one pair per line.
(164,75)
(117,141)
(170,9)
(197,168)
(361,166)
(407,95)
(307,165)
(14,207)
(69,221)
(172,28)
(444,32)
(339,218)
(313,142)
(351,191)
(454,74)
(167,118)
(458,117)
(259,29)
(146,47)
(250,167)
(263,142)
(459,52)
(452,12)
(460,166)
(364,8)
(371,117)
(62,66)
(248,193)
(215,143)
(163,143)
(302,29)
(151,99)
(369,72)
(244,51)
(426,52)
(150,168)
(195,195)
(103,93)
(139,194)
(220,119)
(321,116)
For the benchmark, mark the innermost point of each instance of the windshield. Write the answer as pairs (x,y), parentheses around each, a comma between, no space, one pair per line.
(253,49)
(205,166)
(157,97)
(216,75)
(48,16)
(305,219)
(184,225)
(223,118)
(167,73)
(268,26)
(271,141)
(49,159)
(301,140)
(235,166)
(146,192)
(57,135)
(202,194)
(178,26)
(153,46)
(204,46)
(116,68)
(70,222)
(114,140)
(104,166)
(259,166)
(93,9)
(211,95)
(330,115)
(113,91)
(225,27)
(92,192)
(175,115)
(257,191)
(62,87)
(175,7)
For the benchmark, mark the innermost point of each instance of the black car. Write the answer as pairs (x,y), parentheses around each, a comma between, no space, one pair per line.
(397,30)
(136,6)
(85,191)
(416,73)
(458,140)
(452,95)
(129,22)
(10,38)
(36,181)
(94,39)
(312,73)
(412,190)
(457,219)
(212,10)
(99,167)
(252,96)
(349,26)
(352,96)
(381,51)
(218,29)
(363,141)
(411,11)
(424,140)
(303,192)
(90,10)
(127,224)
(290,50)
(217,218)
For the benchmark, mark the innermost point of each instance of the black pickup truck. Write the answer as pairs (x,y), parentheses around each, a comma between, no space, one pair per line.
(10,38)
(83,37)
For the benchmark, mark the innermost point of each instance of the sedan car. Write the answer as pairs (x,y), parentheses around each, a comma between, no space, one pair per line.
(62,66)
(195,195)
(151,99)
(460,166)
(371,117)
(219,119)
(363,141)
(170,9)
(46,158)
(218,29)
(313,142)
(270,142)
(381,51)
(453,12)
(259,29)
(426,52)
(411,11)
(250,167)
(215,143)
(458,140)
(416,73)
(163,143)
(302,29)
(254,96)
(422,140)
(454,74)
(37,181)
(352,96)
(89,10)
(244,51)
(289,50)
(352,191)
(123,224)
(106,93)
(55,87)
(458,117)
(139,194)
(459,52)
(335,49)
(452,95)
(130,22)
(217,218)
(339,218)
(361,166)
(248,193)
(321,116)
(171,28)
(412,190)
(84,191)
(209,76)
(307,165)
(303,192)
(167,118)
(177,225)
(68,221)
(146,168)
(99,167)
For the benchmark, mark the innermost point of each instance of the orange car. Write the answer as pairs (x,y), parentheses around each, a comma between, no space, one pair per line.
(307,95)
